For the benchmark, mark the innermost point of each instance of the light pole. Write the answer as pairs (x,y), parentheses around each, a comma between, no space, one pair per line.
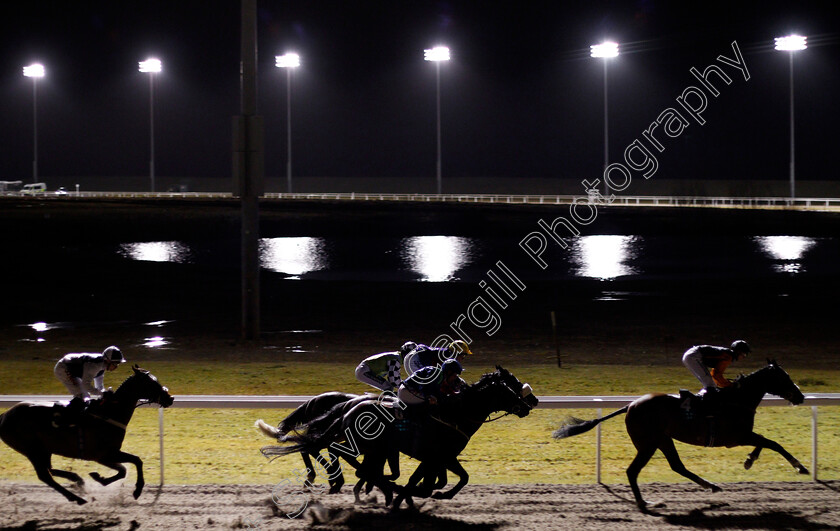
(436,55)
(605,50)
(288,61)
(152,67)
(34,71)
(790,44)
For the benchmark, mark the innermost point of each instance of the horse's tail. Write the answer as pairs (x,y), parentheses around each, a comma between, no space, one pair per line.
(575,426)
(269,431)
(308,442)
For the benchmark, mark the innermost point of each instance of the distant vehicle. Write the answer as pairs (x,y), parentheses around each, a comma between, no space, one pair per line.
(61,191)
(11,186)
(34,189)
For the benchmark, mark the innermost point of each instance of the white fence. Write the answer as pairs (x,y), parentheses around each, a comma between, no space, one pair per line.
(546,402)
(806,203)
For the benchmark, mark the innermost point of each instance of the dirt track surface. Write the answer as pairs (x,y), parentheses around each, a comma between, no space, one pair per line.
(804,505)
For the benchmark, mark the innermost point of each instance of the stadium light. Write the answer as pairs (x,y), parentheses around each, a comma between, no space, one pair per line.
(34,71)
(151,67)
(288,61)
(437,55)
(790,44)
(605,50)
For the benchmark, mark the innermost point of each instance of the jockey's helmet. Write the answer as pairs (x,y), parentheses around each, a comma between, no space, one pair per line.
(113,355)
(407,347)
(740,348)
(452,365)
(459,346)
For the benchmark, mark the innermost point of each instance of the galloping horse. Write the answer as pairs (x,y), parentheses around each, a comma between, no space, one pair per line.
(29,428)
(655,420)
(437,444)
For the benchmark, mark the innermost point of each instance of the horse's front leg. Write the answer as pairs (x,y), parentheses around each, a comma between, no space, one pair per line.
(463,478)
(112,460)
(409,488)
(763,442)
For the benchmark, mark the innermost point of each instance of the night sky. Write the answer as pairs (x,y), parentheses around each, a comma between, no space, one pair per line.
(520,98)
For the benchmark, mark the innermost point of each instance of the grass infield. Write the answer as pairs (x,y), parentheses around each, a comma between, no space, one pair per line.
(222,445)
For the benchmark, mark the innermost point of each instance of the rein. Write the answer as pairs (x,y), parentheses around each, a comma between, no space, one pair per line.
(113,422)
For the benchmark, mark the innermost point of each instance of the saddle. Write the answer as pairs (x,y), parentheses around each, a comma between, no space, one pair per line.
(71,413)
(707,405)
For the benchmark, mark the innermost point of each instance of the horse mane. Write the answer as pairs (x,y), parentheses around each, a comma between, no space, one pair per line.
(743,378)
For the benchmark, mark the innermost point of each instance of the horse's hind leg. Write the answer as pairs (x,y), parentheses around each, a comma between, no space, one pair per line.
(66,474)
(748,463)
(107,481)
(667,447)
(643,455)
(42,469)
(763,442)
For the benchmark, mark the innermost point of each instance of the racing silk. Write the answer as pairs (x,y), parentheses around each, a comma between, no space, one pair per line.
(424,383)
(717,359)
(381,371)
(425,356)
(85,373)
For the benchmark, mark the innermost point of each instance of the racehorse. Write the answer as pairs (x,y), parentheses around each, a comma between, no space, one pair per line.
(653,422)
(437,443)
(98,434)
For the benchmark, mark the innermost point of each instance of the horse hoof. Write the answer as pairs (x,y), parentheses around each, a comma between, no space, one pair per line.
(803,470)
(137,493)
(715,488)
(748,464)
(80,501)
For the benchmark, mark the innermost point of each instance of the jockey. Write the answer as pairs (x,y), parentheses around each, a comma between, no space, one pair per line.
(84,373)
(708,363)
(383,370)
(430,384)
(424,356)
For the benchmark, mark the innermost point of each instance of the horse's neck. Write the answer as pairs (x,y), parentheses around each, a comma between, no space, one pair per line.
(474,408)
(121,406)
(750,392)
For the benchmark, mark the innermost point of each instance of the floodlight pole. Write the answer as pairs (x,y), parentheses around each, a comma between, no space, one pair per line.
(34,129)
(152,131)
(604,51)
(288,61)
(790,44)
(34,71)
(439,162)
(436,55)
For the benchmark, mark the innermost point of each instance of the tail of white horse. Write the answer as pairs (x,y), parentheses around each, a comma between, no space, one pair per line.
(269,431)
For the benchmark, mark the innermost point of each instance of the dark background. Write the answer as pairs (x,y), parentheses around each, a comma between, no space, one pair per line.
(521,97)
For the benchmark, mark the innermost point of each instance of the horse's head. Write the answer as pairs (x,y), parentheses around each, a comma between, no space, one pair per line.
(779,383)
(144,386)
(514,397)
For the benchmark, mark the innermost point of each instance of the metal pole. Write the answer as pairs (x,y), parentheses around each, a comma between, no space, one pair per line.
(792,165)
(152,131)
(598,449)
(814,443)
(160,435)
(35,129)
(606,131)
(251,176)
(289,128)
(439,183)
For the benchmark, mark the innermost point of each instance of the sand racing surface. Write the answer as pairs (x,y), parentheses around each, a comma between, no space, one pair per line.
(778,505)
